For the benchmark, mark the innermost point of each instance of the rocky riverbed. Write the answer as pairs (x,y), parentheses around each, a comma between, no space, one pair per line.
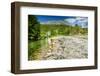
(64,47)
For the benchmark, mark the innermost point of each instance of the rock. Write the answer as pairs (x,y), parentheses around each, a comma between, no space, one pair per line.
(66,47)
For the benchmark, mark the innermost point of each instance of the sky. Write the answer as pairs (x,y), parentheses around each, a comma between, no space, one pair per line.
(72,20)
(44,18)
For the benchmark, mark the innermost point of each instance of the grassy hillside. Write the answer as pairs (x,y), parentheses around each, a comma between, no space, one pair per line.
(54,30)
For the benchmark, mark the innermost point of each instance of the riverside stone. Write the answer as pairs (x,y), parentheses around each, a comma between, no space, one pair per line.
(65,47)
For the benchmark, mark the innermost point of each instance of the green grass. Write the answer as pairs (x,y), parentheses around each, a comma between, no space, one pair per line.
(61,30)
(35,46)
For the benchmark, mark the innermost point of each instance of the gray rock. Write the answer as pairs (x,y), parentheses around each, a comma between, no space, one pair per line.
(66,47)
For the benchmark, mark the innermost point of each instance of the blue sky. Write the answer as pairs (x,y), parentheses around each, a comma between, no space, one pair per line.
(72,20)
(43,18)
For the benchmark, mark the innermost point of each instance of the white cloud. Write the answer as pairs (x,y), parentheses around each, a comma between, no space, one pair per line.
(70,20)
(80,18)
(82,21)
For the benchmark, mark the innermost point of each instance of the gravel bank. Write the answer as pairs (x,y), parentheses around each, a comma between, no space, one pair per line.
(65,47)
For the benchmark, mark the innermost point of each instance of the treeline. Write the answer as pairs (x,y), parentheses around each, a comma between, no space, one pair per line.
(33,28)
